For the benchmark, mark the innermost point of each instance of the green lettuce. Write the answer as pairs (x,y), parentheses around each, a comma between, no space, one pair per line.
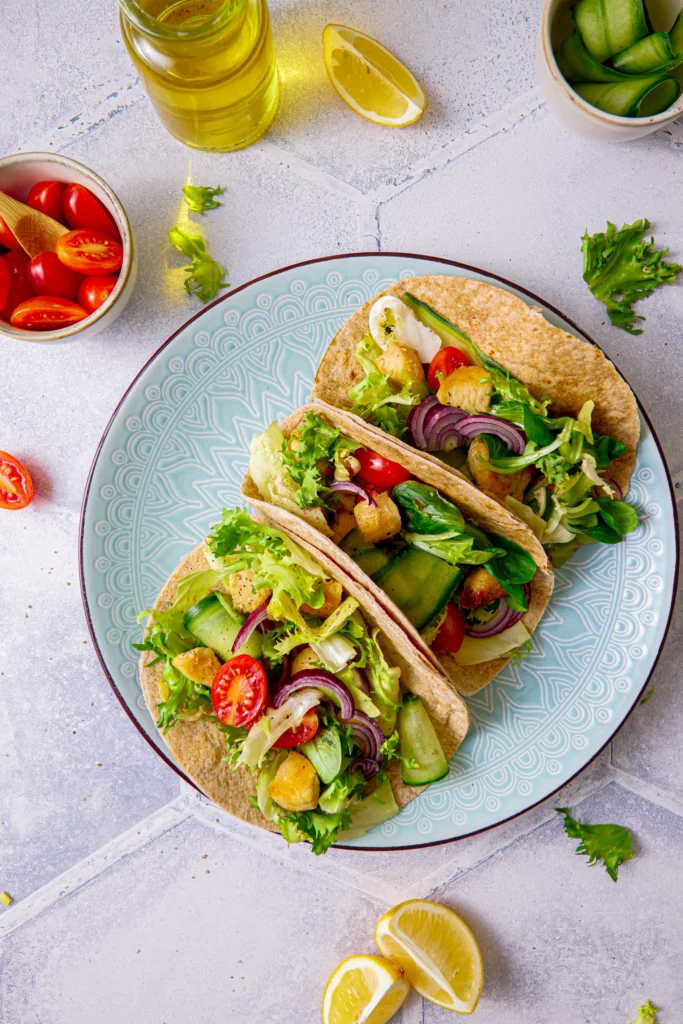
(338,795)
(454,548)
(314,442)
(375,399)
(612,844)
(201,198)
(646,1013)
(205,277)
(424,510)
(319,828)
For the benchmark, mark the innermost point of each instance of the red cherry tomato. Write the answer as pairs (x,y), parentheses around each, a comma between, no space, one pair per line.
(7,237)
(46,196)
(4,283)
(94,291)
(378,471)
(239,691)
(48,276)
(16,262)
(82,210)
(89,251)
(445,361)
(304,732)
(46,313)
(16,486)
(452,632)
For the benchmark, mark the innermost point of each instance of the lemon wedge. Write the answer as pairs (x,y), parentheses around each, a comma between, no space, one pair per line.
(364,990)
(437,951)
(370,79)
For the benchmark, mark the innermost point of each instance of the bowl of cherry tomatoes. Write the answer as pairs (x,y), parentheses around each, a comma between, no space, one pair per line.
(83,285)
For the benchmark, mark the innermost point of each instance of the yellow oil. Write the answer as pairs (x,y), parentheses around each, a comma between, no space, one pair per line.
(207,65)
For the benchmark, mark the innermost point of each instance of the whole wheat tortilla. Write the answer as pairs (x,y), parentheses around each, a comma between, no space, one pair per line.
(550,362)
(199,747)
(479,509)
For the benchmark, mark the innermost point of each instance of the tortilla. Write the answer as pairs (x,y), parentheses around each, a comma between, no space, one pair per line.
(550,362)
(199,747)
(481,510)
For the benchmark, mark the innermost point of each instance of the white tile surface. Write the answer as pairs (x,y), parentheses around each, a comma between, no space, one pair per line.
(108,923)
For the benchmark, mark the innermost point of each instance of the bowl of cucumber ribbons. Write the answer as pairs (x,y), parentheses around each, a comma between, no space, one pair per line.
(612,69)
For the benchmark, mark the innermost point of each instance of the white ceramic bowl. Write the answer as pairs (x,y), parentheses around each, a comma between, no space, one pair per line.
(573,111)
(22,170)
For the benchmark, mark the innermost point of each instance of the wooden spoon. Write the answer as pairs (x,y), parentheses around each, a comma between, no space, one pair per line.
(35,231)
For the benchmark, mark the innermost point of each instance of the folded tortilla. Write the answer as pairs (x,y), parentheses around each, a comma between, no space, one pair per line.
(550,362)
(199,747)
(477,507)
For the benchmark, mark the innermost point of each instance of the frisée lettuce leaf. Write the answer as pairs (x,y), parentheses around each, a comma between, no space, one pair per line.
(611,844)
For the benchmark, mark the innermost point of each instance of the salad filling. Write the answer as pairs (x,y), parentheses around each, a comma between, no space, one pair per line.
(271,649)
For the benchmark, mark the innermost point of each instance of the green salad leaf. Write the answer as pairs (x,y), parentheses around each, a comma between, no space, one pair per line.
(375,399)
(234,740)
(201,198)
(423,510)
(314,442)
(612,844)
(320,828)
(205,277)
(605,449)
(646,1013)
(338,795)
(457,549)
(620,269)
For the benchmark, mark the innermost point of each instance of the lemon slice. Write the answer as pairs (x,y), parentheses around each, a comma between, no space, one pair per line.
(370,79)
(364,990)
(437,951)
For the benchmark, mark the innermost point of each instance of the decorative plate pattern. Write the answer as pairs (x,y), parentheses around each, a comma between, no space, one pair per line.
(175,453)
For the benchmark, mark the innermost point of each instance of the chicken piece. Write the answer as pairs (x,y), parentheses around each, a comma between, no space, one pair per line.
(343,524)
(296,785)
(498,485)
(304,660)
(200,665)
(332,593)
(244,597)
(468,388)
(380,521)
(401,365)
(479,589)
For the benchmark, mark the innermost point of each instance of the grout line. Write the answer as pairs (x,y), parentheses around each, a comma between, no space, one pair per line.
(304,169)
(368,225)
(413,1009)
(134,839)
(504,119)
(647,791)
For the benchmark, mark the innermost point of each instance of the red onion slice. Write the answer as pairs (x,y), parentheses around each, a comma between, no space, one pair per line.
(259,615)
(503,619)
(618,496)
(511,435)
(368,735)
(322,680)
(367,766)
(417,418)
(349,485)
(442,428)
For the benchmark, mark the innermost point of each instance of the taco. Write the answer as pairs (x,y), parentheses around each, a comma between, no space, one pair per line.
(477,380)
(287,693)
(466,580)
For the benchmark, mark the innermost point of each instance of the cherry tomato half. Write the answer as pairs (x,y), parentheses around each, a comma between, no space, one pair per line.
(7,237)
(452,632)
(16,486)
(304,732)
(46,313)
(94,291)
(82,210)
(48,276)
(4,283)
(378,471)
(89,251)
(16,262)
(239,691)
(445,361)
(46,196)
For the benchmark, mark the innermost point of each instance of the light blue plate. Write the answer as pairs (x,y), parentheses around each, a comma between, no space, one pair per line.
(176,451)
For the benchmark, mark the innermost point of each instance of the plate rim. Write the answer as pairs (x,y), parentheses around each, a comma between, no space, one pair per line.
(326,259)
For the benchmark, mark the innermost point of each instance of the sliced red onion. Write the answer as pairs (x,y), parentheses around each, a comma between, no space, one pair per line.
(511,435)
(322,680)
(284,675)
(417,418)
(367,766)
(368,735)
(503,619)
(442,428)
(618,495)
(259,615)
(349,485)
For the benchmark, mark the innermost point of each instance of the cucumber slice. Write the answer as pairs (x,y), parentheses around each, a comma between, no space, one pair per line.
(577,65)
(676,36)
(371,560)
(638,97)
(209,622)
(419,583)
(653,53)
(354,541)
(268,808)
(607,27)
(370,811)
(448,332)
(422,759)
(325,754)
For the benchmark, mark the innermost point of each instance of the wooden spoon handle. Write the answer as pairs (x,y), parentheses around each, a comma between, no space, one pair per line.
(35,231)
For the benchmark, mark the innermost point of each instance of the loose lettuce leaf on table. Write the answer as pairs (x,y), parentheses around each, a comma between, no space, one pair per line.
(205,277)
(201,198)
(612,844)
